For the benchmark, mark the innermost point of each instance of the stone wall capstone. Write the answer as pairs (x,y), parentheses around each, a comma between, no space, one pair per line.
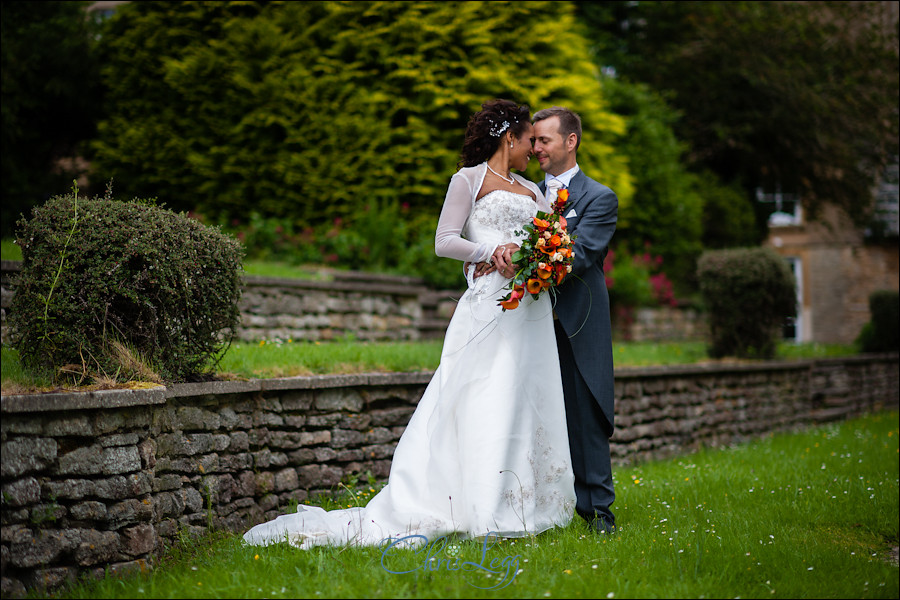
(104,480)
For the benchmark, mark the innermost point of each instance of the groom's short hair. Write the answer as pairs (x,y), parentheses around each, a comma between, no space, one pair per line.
(569,122)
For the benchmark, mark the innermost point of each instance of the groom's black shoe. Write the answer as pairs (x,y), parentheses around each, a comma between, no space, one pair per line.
(602,526)
(598,522)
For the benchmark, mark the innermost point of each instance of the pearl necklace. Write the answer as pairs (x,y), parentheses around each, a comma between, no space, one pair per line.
(510,179)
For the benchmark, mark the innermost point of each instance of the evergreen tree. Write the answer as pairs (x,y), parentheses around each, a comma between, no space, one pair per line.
(315,110)
(49,100)
(666,214)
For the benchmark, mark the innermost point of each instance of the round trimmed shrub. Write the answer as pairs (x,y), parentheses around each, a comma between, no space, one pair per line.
(881,333)
(123,290)
(748,292)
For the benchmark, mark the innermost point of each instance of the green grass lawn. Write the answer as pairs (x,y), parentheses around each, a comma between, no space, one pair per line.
(283,358)
(280,270)
(803,515)
(287,358)
(9,250)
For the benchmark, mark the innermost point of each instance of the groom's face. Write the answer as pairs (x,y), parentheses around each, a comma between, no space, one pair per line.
(550,147)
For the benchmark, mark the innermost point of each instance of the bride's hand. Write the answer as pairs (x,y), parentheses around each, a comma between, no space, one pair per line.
(502,259)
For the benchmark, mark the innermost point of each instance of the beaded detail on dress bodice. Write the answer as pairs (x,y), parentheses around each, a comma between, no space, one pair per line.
(498,215)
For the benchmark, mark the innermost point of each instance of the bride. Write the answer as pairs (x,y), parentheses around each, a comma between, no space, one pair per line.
(486,451)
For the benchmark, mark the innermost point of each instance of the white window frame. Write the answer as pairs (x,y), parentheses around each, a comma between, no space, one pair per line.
(795,263)
(780,217)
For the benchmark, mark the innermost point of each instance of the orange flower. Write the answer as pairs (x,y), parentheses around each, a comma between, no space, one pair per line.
(563,195)
(547,260)
(560,274)
(514,296)
(510,304)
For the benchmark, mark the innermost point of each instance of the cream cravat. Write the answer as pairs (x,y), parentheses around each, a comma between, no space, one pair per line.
(553,186)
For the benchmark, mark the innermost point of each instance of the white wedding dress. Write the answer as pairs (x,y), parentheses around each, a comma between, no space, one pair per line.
(486,451)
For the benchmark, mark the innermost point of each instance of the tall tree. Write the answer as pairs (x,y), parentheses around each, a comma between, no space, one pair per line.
(666,212)
(50,83)
(801,95)
(313,110)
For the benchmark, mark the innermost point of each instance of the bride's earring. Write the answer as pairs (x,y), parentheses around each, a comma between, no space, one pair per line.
(510,145)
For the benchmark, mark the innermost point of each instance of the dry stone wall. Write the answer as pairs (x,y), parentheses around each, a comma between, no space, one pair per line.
(365,306)
(369,306)
(346,304)
(103,480)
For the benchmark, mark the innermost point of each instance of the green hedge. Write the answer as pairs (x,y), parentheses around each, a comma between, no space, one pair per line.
(123,290)
(312,111)
(748,292)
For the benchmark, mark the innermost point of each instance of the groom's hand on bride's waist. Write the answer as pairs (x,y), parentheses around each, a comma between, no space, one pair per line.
(483,268)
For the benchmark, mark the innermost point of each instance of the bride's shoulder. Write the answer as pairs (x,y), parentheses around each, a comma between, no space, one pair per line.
(470,172)
(472,176)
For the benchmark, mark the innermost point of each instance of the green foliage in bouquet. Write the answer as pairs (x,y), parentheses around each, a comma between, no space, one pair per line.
(544,258)
(123,290)
(881,333)
(748,293)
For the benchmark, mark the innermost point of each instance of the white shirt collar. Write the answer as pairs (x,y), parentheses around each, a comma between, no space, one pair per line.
(564,178)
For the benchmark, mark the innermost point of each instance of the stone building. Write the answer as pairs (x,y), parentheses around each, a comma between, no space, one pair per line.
(837,264)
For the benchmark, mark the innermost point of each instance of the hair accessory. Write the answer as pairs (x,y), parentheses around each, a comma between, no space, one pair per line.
(497,130)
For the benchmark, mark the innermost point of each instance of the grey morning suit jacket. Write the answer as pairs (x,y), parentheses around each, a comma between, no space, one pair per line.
(582,303)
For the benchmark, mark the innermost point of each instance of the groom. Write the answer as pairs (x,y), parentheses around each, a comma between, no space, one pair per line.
(583,329)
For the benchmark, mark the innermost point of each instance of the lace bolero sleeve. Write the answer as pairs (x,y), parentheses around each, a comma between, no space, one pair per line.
(448,240)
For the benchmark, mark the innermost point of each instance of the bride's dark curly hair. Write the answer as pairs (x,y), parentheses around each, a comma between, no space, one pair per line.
(480,144)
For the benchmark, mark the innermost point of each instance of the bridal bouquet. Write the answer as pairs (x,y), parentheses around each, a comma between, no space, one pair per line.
(544,257)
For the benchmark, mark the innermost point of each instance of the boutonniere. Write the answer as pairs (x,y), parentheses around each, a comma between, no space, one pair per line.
(562,196)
